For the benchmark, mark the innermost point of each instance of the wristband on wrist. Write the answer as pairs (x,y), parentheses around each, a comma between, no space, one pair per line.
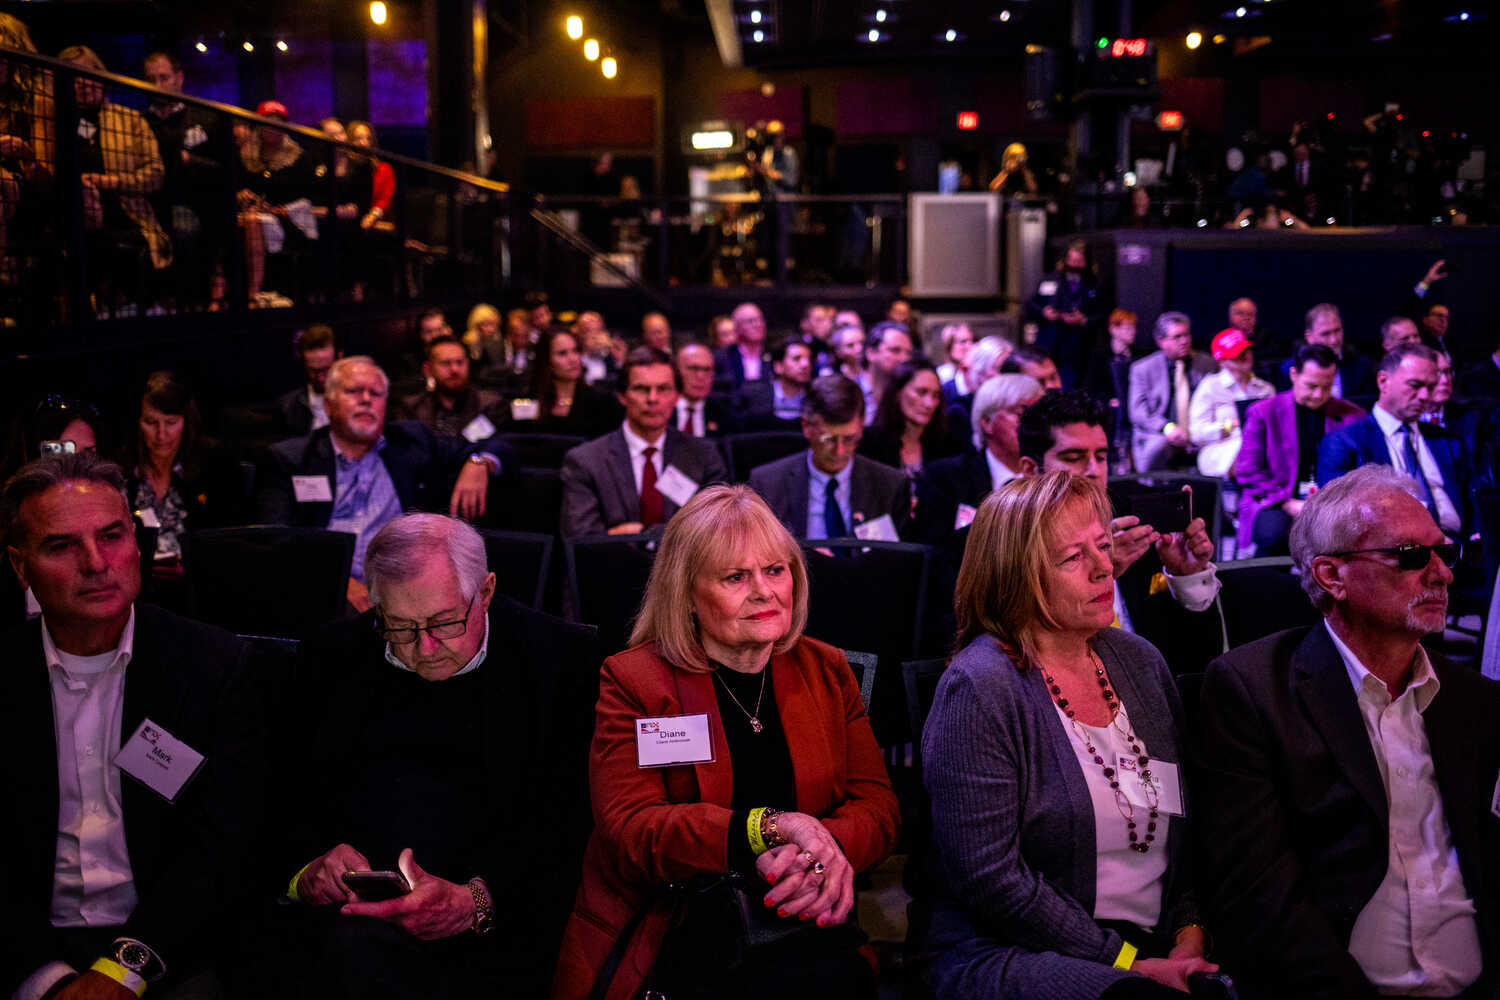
(752,832)
(1126,958)
(291,887)
(114,970)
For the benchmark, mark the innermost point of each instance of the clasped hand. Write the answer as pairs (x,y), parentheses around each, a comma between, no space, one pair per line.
(797,890)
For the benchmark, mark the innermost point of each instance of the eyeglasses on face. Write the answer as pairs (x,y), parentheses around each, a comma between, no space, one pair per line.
(438,630)
(1412,557)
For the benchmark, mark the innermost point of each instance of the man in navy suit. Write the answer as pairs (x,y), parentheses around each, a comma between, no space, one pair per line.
(1323,325)
(745,360)
(1394,434)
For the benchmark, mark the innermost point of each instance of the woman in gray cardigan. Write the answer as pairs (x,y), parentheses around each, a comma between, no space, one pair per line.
(1051,758)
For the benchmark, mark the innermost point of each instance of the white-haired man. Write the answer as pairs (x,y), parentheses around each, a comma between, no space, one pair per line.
(450,746)
(1346,775)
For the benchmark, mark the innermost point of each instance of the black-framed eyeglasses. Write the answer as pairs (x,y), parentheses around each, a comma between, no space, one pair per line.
(438,630)
(1411,557)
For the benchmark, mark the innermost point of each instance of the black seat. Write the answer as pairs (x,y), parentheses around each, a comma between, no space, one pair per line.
(533,503)
(607,575)
(863,665)
(745,452)
(520,561)
(871,597)
(268,579)
(1261,597)
(921,680)
(542,451)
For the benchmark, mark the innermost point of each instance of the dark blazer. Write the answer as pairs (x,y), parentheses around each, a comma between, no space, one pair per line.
(884,447)
(214,494)
(540,681)
(599,486)
(425,409)
(754,409)
(1188,640)
(729,370)
(943,486)
(296,416)
(422,466)
(189,859)
(1362,443)
(1292,813)
(1013,826)
(1266,467)
(1356,374)
(1482,381)
(874,490)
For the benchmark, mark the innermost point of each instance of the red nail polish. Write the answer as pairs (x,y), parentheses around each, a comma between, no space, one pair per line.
(768,902)
(781,912)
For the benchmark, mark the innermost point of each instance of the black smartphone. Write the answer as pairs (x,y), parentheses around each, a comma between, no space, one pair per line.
(376,887)
(1211,986)
(1167,510)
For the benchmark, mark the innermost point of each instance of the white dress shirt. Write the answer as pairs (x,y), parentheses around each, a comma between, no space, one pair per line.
(315,404)
(1000,473)
(694,411)
(751,361)
(817,497)
(1417,936)
(1448,517)
(637,446)
(1212,410)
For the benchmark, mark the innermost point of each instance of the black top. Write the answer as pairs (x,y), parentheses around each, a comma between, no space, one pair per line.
(762,762)
(1310,424)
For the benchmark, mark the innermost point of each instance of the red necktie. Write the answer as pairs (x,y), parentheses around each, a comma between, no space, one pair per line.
(651,501)
(686,426)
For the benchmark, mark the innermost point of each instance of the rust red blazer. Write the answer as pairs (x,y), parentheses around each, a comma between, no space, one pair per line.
(656,825)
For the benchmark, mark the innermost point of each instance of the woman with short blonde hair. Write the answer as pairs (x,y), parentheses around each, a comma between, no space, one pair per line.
(718,650)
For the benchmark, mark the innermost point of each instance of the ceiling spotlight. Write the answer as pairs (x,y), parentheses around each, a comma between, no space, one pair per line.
(201,47)
(758,36)
(377,12)
(1220,39)
(1240,12)
(1194,39)
(874,35)
(950,35)
(249,46)
(880,16)
(609,67)
(1463,15)
(591,49)
(755,17)
(1005,15)
(281,44)
(574,25)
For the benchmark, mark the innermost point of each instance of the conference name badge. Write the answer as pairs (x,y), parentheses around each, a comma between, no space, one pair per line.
(478,429)
(676,485)
(148,517)
(882,529)
(158,760)
(1047,289)
(672,739)
(312,489)
(520,409)
(964,518)
(1166,784)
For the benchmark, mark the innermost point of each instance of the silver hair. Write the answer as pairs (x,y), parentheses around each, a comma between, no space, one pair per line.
(987,357)
(1167,320)
(1321,309)
(998,393)
(342,365)
(400,550)
(1337,516)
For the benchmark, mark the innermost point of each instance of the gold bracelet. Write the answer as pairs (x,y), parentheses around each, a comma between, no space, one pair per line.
(768,831)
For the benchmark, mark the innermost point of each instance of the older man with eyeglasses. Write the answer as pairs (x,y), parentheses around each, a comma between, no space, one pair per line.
(444,744)
(1344,800)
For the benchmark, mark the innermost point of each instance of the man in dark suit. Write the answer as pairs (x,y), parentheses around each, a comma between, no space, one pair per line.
(950,490)
(360,472)
(1344,775)
(1161,390)
(454,725)
(1278,460)
(1395,435)
(132,868)
(454,406)
(1324,325)
(745,360)
(828,491)
(636,477)
(301,410)
(698,413)
(1166,585)
(776,404)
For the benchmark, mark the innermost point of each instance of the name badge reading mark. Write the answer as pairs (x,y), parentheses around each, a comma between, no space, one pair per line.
(158,760)
(672,739)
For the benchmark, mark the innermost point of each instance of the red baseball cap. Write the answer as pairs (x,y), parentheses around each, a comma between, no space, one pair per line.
(267,108)
(1230,343)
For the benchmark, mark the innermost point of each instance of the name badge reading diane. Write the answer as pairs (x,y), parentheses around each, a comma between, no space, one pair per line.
(1165,783)
(158,760)
(672,739)
(676,485)
(312,489)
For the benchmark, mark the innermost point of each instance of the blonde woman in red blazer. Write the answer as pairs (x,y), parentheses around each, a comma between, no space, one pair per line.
(720,635)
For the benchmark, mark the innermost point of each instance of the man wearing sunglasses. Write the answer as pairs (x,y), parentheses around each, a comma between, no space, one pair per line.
(1344,778)
(442,735)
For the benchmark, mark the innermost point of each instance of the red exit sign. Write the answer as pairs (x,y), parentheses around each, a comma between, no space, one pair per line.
(968,120)
(1123,47)
(1169,121)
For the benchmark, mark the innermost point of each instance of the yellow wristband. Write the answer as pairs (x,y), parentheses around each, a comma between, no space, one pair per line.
(752,830)
(1126,958)
(291,887)
(114,970)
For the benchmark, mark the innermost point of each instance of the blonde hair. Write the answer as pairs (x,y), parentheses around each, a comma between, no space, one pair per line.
(715,526)
(480,312)
(1002,582)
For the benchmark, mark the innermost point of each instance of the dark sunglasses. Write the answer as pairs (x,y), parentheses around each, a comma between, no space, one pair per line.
(1411,557)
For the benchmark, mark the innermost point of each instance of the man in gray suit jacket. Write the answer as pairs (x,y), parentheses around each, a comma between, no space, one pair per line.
(828,491)
(636,477)
(1158,405)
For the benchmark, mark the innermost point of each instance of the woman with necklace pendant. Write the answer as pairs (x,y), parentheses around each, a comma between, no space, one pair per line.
(786,787)
(1052,757)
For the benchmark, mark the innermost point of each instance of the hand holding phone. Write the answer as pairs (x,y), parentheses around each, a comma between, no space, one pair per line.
(376,887)
(1168,510)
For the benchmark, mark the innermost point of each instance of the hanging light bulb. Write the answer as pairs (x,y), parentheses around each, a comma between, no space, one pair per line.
(609,67)
(575,27)
(591,49)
